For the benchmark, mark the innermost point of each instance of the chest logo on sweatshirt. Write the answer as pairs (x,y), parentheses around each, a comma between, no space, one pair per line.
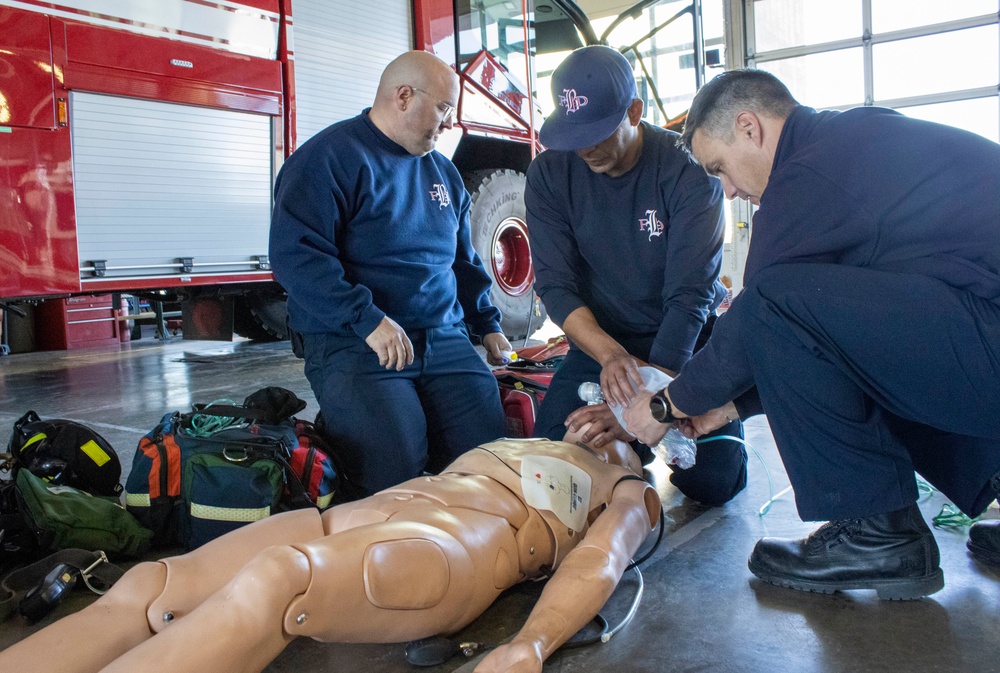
(572,101)
(651,224)
(440,194)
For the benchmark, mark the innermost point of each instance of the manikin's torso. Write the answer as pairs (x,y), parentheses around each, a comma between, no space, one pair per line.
(488,480)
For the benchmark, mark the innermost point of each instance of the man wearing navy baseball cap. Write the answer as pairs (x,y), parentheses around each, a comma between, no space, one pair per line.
(595,89)
(626,238)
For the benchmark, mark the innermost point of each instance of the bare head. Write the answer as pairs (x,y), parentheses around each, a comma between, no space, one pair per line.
(733,126)
(615,452)
(416,101)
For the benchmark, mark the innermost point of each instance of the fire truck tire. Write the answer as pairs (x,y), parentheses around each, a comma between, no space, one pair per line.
(500,236)
(260,318)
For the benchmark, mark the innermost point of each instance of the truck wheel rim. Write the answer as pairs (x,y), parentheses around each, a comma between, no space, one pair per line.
(512,257)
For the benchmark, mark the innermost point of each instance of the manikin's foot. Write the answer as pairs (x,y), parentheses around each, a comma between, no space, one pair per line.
(984,542)
(895,554)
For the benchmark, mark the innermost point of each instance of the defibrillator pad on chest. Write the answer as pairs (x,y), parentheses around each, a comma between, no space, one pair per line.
(557,486)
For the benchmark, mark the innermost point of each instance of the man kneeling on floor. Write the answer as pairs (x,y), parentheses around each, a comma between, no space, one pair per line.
(869,326)
(422,558)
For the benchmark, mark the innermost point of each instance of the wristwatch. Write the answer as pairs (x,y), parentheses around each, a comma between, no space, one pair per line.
(659,407)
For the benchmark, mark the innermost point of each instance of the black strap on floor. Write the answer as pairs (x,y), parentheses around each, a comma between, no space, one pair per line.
(20,581)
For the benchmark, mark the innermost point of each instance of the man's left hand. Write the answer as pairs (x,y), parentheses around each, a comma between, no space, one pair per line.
(495,344)
(640,422)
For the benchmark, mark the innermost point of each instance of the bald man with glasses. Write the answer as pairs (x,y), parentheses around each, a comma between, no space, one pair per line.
(370,238)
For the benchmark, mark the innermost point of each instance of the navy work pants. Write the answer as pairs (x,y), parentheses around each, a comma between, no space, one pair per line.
(390,426)
(720,469)
(868,376)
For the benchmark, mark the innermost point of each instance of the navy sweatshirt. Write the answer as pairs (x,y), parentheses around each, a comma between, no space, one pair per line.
(871,188)
(642,250)
(362,229)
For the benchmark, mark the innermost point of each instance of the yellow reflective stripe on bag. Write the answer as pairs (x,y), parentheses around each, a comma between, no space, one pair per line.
(95,453)
(229,513)
(136,499)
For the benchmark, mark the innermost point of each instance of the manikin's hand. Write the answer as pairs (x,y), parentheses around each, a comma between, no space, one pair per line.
(514,657)
(696,426)
(495,343)
(604,427)
(620,378)
(390,343)
(640,422)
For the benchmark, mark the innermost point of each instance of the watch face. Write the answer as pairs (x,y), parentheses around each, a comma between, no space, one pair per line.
(658,408)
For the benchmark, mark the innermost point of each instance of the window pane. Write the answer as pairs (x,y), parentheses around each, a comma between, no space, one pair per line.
(793,23)
(889,15)
(829,79)
(979,115)
(712,21)
(494,25)
(961,59)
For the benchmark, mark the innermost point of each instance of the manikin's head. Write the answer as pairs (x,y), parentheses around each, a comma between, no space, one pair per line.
(416,100)
(733,128)
(615,452)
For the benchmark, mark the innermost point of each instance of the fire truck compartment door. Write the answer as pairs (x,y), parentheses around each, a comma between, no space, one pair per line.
(340,55)
(160,182)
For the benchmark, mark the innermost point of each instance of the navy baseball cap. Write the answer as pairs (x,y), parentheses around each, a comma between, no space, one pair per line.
(593,89)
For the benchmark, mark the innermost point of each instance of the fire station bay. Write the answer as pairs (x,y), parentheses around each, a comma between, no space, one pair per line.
(499,335)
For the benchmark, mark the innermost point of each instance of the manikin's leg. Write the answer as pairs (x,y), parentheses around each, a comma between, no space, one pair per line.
(88,640)
(137,606)
(387,582)
(236,630)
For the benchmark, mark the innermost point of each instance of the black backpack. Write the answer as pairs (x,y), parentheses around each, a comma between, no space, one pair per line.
(65,453)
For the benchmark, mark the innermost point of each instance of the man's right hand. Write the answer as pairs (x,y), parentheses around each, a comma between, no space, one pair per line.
(620,378)
(390,343)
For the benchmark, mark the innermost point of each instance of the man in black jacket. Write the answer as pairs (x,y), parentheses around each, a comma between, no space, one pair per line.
(869,325)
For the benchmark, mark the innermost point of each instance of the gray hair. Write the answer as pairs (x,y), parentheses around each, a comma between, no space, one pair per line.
(717,103)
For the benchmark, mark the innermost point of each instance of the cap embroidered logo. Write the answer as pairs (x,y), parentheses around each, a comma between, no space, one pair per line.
(572,101)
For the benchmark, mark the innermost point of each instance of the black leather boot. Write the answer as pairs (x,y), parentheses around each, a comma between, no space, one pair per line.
(984,542)
(895,554)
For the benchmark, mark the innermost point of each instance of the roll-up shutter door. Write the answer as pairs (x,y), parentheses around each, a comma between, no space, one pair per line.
(339,56)
(157,182)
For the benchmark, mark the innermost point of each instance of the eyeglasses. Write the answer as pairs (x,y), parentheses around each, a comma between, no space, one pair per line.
(448,111)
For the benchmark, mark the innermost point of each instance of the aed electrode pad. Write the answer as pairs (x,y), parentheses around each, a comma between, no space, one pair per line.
(558,486)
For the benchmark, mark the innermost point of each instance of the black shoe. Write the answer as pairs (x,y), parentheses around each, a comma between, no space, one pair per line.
(984,542)
(895,554)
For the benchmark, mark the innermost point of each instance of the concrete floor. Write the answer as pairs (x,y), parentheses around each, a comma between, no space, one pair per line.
(701,609)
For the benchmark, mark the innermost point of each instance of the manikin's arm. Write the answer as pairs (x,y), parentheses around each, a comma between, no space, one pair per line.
(582,584)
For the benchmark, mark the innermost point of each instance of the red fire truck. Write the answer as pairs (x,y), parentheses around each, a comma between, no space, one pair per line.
(139,140)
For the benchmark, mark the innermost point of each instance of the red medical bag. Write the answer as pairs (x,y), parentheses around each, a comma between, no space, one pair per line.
(525,379)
